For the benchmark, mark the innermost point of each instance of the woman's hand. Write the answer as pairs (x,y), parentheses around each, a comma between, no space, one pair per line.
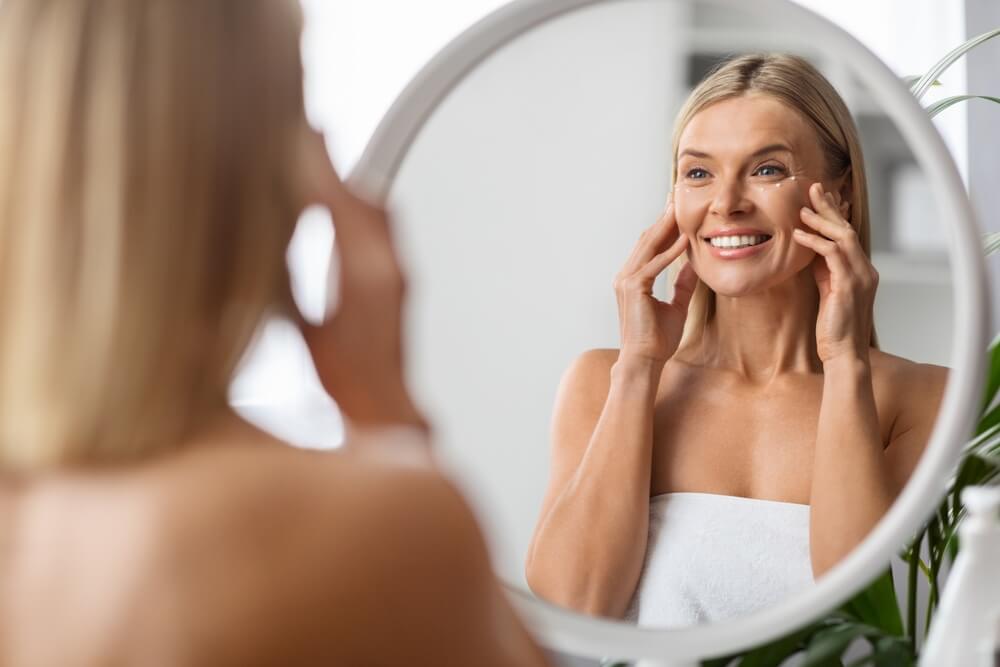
(650,328)
(845,277)
(358,352)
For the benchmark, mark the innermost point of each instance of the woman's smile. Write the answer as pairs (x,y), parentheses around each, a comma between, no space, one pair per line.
(736,242)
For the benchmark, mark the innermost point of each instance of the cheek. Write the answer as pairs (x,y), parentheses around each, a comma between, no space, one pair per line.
(687,217)
(782,205)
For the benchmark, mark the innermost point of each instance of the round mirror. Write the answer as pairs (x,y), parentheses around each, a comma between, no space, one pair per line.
(756,481)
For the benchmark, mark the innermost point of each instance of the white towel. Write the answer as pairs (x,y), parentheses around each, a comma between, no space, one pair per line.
(712,557)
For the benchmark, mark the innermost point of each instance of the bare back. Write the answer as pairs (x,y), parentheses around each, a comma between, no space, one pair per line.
(249,554)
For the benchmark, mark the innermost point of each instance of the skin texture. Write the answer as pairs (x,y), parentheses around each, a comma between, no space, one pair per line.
(783,400)
(237,549)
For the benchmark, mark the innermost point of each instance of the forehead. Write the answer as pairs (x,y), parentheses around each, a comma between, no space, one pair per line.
(736,126)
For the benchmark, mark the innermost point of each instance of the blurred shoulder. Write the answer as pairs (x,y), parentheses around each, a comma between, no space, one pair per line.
(313,555)
(289,490)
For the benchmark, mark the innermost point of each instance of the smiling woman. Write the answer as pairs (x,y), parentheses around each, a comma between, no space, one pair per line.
(752,429)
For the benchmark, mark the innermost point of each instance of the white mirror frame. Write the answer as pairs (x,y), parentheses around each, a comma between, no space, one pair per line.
(586,636)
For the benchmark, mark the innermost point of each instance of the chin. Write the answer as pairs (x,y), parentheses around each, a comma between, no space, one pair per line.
(737,281)
(732,289)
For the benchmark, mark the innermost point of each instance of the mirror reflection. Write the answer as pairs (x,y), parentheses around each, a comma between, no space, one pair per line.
(681,304)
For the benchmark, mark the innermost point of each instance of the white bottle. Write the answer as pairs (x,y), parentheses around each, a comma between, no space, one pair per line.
(963,622)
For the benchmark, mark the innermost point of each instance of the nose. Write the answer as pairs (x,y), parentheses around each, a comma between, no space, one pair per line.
(730,197)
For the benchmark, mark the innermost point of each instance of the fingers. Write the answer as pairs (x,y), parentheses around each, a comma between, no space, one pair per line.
(653,240)
(824,217)
(825,247)
(684,286)
(367,262)
(827,220)
(659,262)
(349,210)
(322,182)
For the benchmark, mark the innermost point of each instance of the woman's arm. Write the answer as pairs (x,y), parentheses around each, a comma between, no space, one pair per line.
(851,484)
(590,540)
(856,479)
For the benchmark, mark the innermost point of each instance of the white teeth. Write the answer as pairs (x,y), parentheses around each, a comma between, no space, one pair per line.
(737,241)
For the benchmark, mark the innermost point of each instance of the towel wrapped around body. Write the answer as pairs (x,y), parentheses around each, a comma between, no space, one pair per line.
(713,557)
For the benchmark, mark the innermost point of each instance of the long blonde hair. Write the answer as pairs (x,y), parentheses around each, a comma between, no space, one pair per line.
(147,150)
(793,81)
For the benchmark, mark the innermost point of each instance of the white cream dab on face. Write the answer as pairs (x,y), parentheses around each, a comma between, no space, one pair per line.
(760,188)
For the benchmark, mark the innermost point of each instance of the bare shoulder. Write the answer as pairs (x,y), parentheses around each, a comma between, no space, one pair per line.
(318,557)
(914,391)
(916,387)
(591,369)
(583,391)
(585,383)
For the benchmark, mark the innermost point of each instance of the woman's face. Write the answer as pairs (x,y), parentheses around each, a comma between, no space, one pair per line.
(744,168)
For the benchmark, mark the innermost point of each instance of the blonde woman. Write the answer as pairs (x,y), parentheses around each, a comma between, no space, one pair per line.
(749,433)
(154,158)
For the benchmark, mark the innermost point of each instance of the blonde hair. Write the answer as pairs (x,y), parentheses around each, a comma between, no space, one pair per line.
(793,81)
(146,203)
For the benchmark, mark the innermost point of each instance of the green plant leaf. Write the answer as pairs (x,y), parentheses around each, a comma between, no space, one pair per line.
(952,546)
(892,652)
(984,442)
(942,104)
(877,606)
(911,80)
(773,653)
(827,646)
(991,243)
(993,365)
(989,420)
(920,87)
(887,652)
(715,662)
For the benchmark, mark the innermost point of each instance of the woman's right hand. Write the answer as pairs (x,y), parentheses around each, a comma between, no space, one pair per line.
(358,351)
(651,329)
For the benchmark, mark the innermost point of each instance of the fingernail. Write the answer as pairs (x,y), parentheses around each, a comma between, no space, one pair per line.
(798,232)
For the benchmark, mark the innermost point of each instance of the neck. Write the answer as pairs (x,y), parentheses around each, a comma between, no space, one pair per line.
(764,335)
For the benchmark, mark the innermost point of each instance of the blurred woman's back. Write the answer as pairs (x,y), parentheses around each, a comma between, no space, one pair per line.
(154,159)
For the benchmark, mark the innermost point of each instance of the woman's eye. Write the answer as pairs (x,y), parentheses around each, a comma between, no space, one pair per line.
(696,170)
(776,170)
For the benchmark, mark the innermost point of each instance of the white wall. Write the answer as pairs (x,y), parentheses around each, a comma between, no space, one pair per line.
(516,206)
(984,128)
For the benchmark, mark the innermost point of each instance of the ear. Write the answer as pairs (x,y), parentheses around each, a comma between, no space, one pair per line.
(843,192)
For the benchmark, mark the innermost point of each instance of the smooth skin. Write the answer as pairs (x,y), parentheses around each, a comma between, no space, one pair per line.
(241,550)
(784,400)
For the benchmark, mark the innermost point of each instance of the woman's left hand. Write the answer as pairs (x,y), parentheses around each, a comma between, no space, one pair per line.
(845,277)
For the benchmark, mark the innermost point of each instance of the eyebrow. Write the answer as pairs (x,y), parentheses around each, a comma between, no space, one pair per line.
(770,148)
